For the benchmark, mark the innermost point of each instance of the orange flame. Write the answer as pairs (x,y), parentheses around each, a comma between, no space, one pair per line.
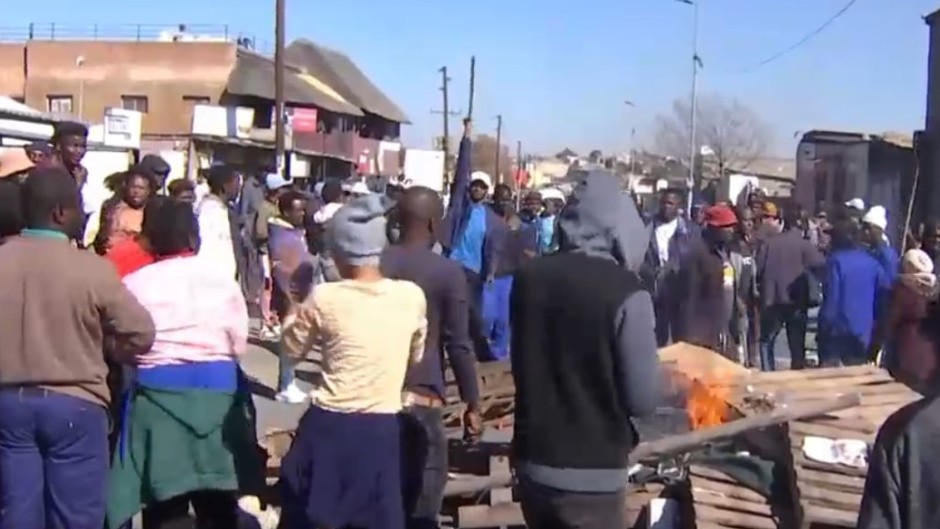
(707,404)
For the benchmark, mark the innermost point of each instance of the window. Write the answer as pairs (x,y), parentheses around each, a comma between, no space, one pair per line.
(138,103)
(192,101)
(59,104)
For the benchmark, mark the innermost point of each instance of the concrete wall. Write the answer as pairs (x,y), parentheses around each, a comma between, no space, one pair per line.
(166,73)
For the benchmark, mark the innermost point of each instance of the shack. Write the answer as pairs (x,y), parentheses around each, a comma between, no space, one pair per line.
(833,167)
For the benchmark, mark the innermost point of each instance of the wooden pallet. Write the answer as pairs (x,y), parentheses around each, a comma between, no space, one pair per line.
(497,394)
(830,494)
(720,501)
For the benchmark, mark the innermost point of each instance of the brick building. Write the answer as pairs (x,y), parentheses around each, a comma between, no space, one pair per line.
(166,78)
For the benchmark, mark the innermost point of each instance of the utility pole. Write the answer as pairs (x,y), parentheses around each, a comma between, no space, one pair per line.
(696,63)
(445,140)
(279,110)
(519,168)
(499,147)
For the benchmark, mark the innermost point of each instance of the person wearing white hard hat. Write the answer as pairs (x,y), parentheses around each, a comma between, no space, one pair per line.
(473,235)
(553,201)
(874,224)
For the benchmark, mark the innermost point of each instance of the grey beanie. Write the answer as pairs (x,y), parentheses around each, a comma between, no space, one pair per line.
(356,233)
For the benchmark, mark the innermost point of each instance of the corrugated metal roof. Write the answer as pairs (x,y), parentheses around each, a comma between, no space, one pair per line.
(253,75)
(12,107)
(339,72)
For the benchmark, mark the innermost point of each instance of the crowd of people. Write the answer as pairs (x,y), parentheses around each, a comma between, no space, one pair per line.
(733,278)
(120,384)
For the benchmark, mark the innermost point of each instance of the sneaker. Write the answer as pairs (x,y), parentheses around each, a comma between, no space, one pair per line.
(291,395)
(270,333)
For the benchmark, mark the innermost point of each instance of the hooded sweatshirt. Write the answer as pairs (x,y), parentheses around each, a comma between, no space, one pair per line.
(583,345)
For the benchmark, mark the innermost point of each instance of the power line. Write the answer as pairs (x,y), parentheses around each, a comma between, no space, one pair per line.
(808,37)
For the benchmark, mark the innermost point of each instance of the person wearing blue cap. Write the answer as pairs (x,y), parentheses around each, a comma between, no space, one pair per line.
(274,186)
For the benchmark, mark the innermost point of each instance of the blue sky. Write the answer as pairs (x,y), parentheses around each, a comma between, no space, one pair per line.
(558,70)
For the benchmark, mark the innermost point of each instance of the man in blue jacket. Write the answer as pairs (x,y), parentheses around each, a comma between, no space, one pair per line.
(473,236)
(852,293)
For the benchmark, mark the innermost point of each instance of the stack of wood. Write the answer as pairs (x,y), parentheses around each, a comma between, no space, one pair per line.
(830,494)
(827,494)
(719,501)
(496,396)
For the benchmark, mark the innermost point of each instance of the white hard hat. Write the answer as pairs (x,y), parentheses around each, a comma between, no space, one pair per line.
(480,176)
(359,188)
(550,193)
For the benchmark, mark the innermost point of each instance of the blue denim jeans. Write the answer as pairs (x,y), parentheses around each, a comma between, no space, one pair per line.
(53,460)
(286,368)
(496,316)
(773,320)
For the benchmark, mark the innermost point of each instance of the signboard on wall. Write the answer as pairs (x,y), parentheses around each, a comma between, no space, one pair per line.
(302,119)
(121,128)
(231,122)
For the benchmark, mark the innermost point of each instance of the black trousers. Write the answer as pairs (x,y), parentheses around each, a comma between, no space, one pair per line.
(424,465)
(475,304)
(214,509)
(547,508)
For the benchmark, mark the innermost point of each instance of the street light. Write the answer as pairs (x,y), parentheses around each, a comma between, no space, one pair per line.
(630,105)
(696,62)
(79,61)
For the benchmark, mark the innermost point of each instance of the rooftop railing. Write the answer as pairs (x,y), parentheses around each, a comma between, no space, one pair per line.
(133,32)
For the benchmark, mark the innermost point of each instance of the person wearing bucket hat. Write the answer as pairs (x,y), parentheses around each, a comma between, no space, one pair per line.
(708,313)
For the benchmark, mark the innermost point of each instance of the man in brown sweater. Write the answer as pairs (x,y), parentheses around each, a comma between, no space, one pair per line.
(63,310)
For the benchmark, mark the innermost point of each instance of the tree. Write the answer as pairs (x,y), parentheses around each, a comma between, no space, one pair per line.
(730,132)
(595,156)
(483,158)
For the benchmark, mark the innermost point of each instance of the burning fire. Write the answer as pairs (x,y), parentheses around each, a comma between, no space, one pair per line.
(707,404)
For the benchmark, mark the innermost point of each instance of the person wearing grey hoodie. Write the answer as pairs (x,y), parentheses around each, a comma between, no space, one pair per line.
(583,361)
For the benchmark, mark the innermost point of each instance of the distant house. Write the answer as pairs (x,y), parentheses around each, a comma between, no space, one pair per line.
(777,176)
(376,146)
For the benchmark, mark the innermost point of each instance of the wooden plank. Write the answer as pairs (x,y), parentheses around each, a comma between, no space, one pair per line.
(827,497)
(481,516)
(738,519)
(835,517)
(799,430)
(818,373)
(698,363)
(828,479)
(802,461)
(727,490)
(704,497)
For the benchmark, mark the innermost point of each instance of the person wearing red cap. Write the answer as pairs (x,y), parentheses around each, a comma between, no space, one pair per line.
(708,278)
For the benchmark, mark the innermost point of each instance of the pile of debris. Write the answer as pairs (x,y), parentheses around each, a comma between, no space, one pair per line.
(730,448)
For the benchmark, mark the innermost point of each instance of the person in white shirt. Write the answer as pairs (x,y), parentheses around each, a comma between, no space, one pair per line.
(668,244)
(215,227)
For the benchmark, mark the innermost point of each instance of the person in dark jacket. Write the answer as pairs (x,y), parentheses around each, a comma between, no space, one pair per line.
(473,235)
(901,486)
(709,309)
(785,262)
(583,361)
(668,247)
(425,439)
(519,244)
